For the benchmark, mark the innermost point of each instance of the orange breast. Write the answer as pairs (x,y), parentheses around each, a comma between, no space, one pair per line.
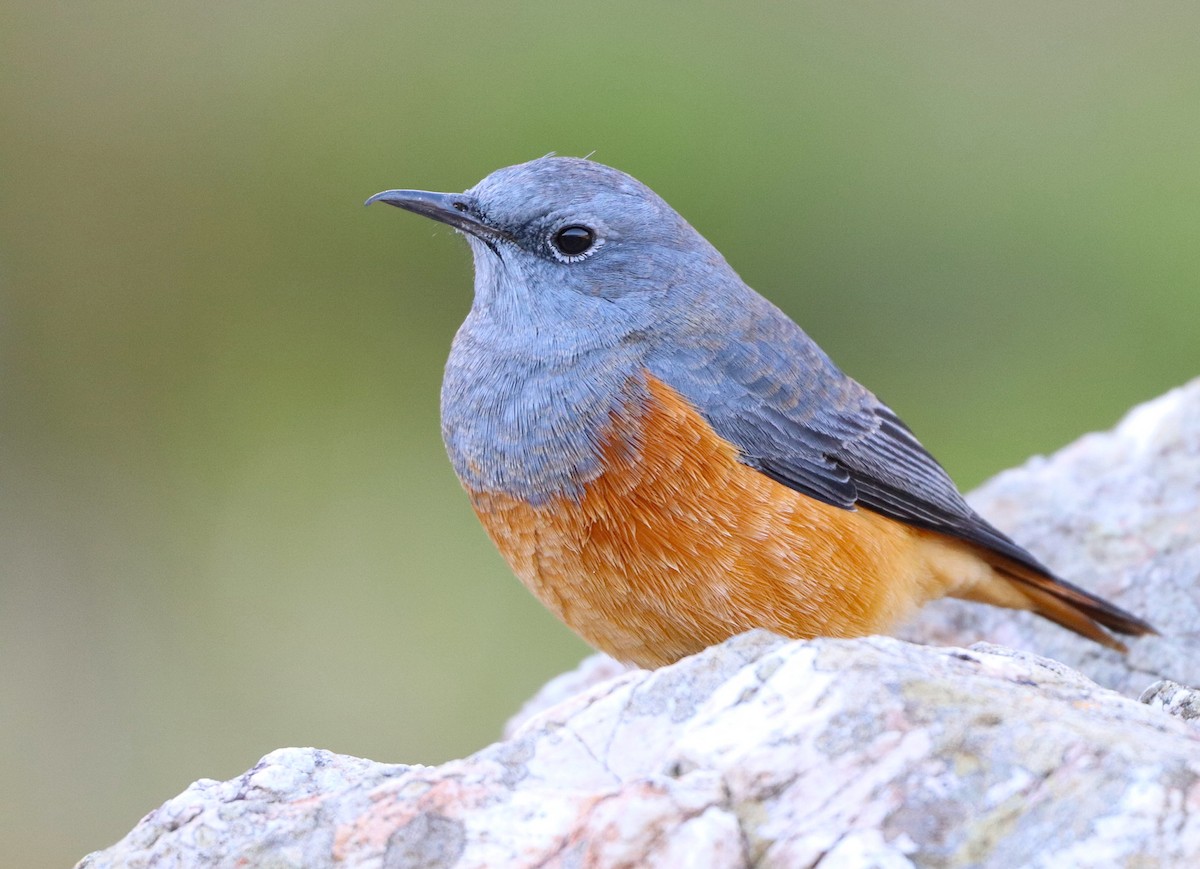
(677,546)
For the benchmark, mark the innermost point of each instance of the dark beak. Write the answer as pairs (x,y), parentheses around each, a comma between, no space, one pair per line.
(456,209)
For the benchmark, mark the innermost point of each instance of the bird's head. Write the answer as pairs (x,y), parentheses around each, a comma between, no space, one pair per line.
(567,242)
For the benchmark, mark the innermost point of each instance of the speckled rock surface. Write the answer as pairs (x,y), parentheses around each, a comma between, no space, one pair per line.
(1175,699)
(758,752)
(833,753)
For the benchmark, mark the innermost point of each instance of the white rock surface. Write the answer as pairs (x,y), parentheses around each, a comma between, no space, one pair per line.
(831,753)
(758,752)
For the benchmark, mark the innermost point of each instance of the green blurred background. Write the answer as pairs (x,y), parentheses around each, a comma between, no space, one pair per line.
(226,520)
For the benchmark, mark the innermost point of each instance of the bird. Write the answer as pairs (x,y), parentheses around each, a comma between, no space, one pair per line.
(665,459)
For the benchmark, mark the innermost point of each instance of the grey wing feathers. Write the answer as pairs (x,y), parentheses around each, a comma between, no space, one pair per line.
(794,416)
(866,456)
(896,476)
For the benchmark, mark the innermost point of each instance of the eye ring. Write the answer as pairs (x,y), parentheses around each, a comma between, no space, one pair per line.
(574,242)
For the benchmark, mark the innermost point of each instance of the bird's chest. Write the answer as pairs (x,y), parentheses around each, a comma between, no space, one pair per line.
(607,557)
(531,428)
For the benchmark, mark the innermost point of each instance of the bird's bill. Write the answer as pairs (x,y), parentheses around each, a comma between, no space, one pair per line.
(456,209)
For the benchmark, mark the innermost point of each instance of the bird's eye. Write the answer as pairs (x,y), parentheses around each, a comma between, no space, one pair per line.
(574,241)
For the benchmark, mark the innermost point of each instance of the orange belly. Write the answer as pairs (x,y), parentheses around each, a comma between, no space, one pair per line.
(677,546)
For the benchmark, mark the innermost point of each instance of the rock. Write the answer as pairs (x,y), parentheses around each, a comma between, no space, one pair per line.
(756,752)
(283,812)
(1174,699)
(838,753)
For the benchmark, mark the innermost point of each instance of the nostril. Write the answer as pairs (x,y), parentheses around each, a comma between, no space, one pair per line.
(459,205)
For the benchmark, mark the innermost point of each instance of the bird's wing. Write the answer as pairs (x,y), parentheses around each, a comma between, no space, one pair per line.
(798,419)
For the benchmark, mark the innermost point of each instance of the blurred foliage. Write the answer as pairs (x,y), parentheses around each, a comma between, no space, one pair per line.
(226,519)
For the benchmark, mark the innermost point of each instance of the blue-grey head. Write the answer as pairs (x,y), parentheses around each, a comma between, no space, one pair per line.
(566,243)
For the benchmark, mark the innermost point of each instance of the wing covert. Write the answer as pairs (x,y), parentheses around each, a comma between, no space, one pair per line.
(794,416)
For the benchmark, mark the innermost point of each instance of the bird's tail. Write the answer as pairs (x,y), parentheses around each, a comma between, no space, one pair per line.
(1069,605)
